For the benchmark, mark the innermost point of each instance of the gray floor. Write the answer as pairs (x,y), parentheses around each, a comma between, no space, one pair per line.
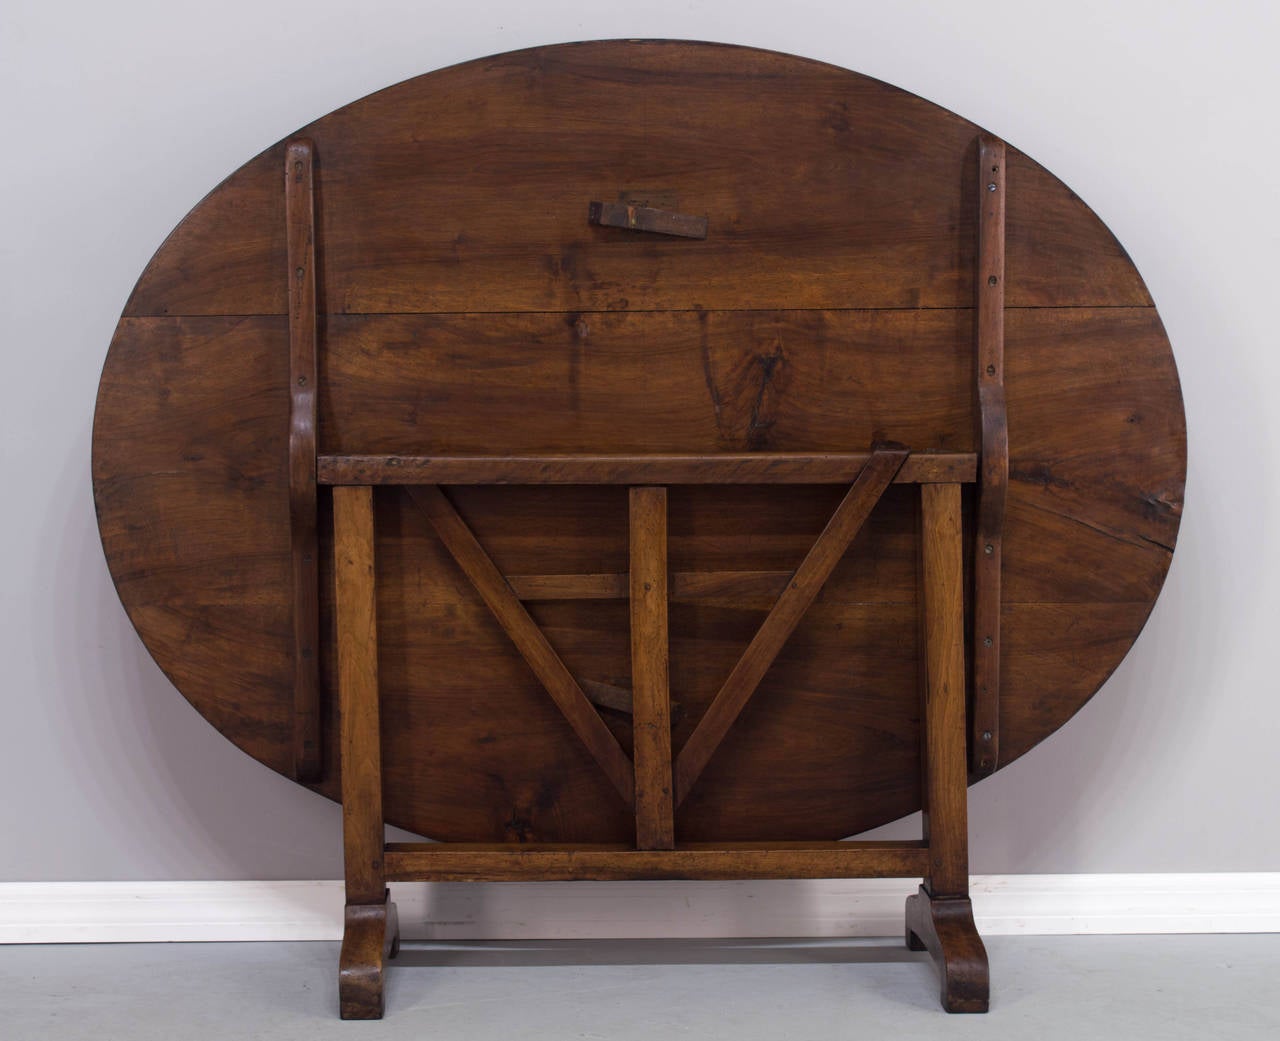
(1094,987)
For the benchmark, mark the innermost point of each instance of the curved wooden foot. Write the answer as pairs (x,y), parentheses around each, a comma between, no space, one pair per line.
(945,928)
(370,936)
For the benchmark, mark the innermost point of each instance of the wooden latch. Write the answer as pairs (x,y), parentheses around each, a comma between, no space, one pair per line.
(646,218)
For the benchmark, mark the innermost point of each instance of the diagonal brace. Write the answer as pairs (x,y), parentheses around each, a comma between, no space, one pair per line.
(785,615)
(528,638)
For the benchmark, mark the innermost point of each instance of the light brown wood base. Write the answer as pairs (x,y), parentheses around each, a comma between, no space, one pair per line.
(370,936)
(945,928)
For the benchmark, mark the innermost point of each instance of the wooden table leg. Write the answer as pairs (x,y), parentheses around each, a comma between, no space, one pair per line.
(940,915)
(371,932)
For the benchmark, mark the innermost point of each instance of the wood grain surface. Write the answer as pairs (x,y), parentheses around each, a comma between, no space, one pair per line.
(466,307)
(993,444)
(356,610)
(299,192)
(946,827)
(467,190)
(528,638)
(473,862)
(650,669)
(785,614)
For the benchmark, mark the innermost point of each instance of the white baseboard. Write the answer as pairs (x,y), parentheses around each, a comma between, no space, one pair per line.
(116,912)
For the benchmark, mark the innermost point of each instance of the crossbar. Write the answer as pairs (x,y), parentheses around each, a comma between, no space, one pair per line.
(715,468)
(553,862)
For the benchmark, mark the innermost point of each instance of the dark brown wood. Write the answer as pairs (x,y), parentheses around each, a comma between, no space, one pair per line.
(607,695)
(945,928)
(468,328)
(789,332)
(473,862)
(370,938)
(946,822)
(724,468)
(357,653)
(939,918)
(1123,476)
(304,545)
(371,932)
(570,587)
(650,683)
(690,586)
(715,381)
(1093,511)
(751,788)
(742,589)
(993,476)
(528,638)
(491,210)
(177,454)
(646,218)
(616,697)
(780,623)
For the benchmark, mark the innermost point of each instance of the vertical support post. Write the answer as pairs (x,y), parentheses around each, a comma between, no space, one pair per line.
(945,771)
(371,934)
(356,613)
(651,694)
(301,240)
(993,472)
(940,916)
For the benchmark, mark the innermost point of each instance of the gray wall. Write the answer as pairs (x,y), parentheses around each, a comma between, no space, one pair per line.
(119,117)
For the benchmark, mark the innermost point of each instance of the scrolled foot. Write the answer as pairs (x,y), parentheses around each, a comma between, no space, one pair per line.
(945,928)
(370,936)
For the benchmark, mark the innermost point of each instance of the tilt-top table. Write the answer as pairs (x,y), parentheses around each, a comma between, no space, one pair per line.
(640,459)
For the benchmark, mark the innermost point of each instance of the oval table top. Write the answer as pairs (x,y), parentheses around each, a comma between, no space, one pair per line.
(467,306)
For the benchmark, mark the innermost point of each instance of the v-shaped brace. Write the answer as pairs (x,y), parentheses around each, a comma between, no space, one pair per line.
(785,615)
(530,641)
(803,587)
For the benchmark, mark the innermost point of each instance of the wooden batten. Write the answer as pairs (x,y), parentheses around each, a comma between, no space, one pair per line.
(299,191)
(993,474)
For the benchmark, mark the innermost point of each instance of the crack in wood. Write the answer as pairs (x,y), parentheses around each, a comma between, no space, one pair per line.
(1135,539)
